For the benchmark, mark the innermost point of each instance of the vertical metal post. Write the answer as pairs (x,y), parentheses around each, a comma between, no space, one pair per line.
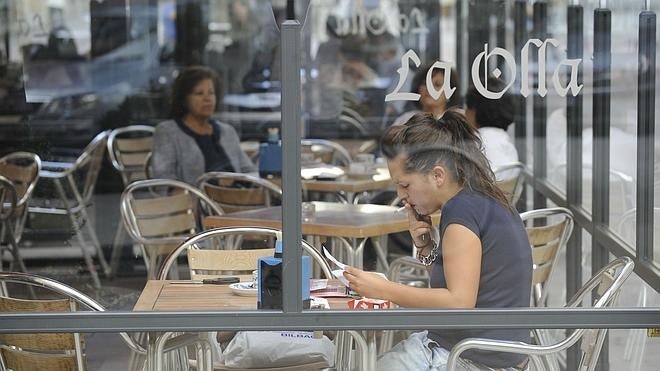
(540,107)
(575,36)
(645,134)
(290,9)
(520,119)
(291,187)
(574,105)
(500,31)
(462,44)
(601,122)
(601,147)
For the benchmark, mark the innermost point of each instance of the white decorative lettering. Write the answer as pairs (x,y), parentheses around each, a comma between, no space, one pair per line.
(446,84)
(572,82)
(524,69)
(403,75)
(481,84)
(476,80)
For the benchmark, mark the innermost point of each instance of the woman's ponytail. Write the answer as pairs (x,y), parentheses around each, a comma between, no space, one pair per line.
(450,140)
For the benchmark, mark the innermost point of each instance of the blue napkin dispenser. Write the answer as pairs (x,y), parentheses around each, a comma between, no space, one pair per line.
(270,159)
(269,280)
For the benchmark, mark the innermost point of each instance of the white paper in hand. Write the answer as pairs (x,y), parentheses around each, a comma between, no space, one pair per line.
(338,273)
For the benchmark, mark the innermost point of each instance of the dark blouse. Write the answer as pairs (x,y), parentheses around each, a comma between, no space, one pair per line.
(506,271)
(215,158)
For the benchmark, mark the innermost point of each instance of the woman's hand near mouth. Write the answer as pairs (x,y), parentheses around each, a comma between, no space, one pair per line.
(419,227)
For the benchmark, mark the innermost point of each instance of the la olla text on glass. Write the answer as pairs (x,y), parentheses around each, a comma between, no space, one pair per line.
(482,87)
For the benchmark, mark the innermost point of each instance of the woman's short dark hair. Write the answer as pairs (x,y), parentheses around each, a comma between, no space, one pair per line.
(497,113)
(184,84)
(420,79)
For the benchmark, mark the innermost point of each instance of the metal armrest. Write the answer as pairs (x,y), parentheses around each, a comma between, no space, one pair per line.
(501,346)
(53,165)
(53,169)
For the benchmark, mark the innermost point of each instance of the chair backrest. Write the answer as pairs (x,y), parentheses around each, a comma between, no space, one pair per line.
(128,148)
(208,236)
(236,191)
(409,271)
(22,169)
(163,211)
(510,179)
(52,351)
(8,200)
(330,152)
(88,165)
(348,121)
(214,263)
(606,284)
(547,242)
(57,351)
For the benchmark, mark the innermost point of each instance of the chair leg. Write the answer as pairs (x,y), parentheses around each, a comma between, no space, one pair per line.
(96,243)
(18,260)
(81,240)
(87,222)
(117,248)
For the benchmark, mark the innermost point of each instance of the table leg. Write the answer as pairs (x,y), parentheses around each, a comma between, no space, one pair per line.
(201,356)
(366,363)
(381,254)
(373,349)
(159,350)
(151,351)
(354,251)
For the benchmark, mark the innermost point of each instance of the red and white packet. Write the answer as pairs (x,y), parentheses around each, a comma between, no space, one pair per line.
(367,303)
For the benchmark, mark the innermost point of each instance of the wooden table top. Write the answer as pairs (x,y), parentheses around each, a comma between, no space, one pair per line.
(330,219)
(167,295)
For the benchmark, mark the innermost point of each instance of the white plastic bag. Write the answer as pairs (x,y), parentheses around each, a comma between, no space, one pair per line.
(253,349)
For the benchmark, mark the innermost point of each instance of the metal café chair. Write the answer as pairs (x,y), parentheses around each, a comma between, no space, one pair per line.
(605,285)
(197,241)
(74,186)
(21,173)
(129,148)
(323,148)
(207,260)
(547,241)
(8,202)
(159,214)
(510,179)
(238,191)
(63,351)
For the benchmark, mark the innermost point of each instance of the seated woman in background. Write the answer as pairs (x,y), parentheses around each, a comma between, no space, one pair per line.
(492,117)
(482,257)
(192,143)
(426,103)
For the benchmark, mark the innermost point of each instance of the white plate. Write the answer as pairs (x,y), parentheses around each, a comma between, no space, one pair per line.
(243,289)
